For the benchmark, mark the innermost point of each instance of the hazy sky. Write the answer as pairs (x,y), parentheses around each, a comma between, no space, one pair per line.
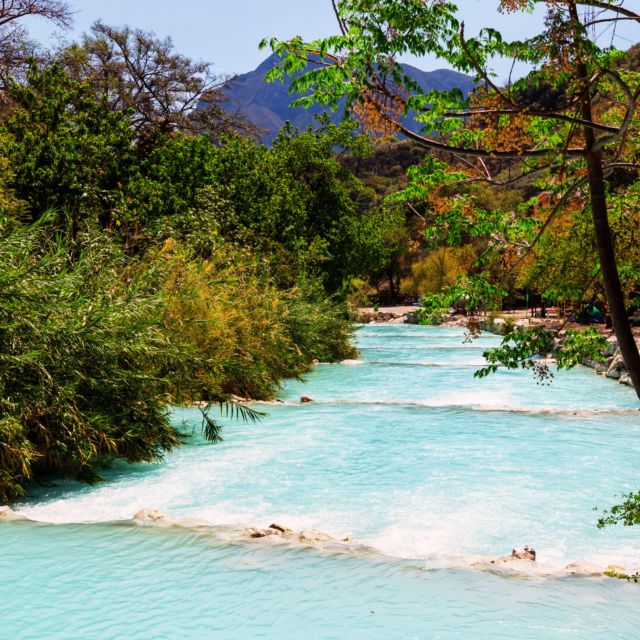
(227,33)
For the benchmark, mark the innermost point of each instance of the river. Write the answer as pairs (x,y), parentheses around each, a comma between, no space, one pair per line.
(403,450)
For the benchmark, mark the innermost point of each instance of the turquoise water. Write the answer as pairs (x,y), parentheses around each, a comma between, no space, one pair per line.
(402,450)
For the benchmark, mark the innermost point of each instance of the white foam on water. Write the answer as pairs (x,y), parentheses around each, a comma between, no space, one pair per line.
(478,362)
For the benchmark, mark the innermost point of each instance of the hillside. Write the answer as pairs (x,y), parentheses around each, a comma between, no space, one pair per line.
(267,104)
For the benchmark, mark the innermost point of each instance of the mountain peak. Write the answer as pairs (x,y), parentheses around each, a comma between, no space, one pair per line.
(266,65)
(267,104)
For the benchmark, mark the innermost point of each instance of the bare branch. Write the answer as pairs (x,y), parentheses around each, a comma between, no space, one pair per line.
(599,4)
(415,212)
(341,24)
(481,71)
(617,19)
(622,165)
(16,49)
(57,11)
(511,181)
(628,118)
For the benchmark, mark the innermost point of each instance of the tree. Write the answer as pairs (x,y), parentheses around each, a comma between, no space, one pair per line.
(564,265)
(15,47)
(12,11)
(293,203)
(164,91)
(439,269)
(66,149)
(576,138)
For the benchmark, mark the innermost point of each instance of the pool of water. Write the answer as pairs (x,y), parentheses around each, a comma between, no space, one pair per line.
(402,450)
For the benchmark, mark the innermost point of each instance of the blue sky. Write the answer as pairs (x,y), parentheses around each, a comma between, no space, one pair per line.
(227,32)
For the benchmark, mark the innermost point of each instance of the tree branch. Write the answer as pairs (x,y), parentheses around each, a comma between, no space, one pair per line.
(548,115)
(481,71)
(430,143)
(598,4)
(341,24)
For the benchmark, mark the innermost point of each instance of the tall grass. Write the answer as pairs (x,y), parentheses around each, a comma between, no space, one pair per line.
(86,367)
(253,333)
(96,347)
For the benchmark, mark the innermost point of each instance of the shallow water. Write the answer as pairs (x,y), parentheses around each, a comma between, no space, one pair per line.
(78,582)
(403,450)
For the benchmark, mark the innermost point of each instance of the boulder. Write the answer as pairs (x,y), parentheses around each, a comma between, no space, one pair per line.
(305,399)
(611,348)
(263,533)
(280,528)
(500,326)
(517,555)
(153,516)
(412,318)
(617,367)
(625,378)
(312,535)
(524,554)
(276,530)
(598,366)
(305,536)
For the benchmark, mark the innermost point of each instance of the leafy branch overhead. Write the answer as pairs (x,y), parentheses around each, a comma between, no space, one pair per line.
(532,350)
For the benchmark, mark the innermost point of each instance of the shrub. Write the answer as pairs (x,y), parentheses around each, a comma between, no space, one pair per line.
(86,369)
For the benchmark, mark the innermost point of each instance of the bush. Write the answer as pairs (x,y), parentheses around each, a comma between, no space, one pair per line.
(253,333)
(86,369)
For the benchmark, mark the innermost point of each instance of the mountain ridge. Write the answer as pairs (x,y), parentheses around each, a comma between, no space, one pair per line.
(267,104)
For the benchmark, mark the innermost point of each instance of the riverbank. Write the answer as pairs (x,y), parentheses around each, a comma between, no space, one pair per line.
(393,315)
(611,366)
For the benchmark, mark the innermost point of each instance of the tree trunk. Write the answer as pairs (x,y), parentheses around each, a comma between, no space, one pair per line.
(610,276)
(392,288)
(600,214)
